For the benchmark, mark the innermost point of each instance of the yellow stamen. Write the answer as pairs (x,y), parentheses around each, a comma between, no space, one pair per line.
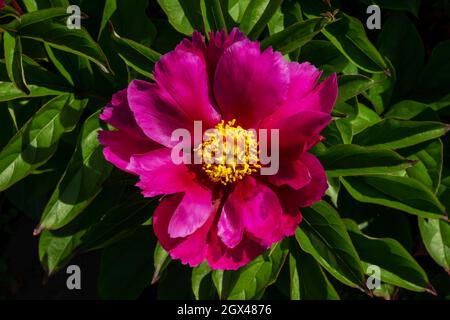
(229,152)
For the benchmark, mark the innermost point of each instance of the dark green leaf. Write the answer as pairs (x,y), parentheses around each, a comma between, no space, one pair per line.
(37,141)
(82,180)
(264,19)
(184,16)
(398,36)
(323,235)
(353,160)
(351,86)
(436,238)
(251,281)
(295,36)
(13,61)
(396,265)
(428,169)
(408,109)
(308,281)
(135,55)
(402,193)
(161,260)
(126,267)
(349,36)
(396,134)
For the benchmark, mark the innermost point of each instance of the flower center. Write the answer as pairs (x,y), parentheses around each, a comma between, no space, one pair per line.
(229,152)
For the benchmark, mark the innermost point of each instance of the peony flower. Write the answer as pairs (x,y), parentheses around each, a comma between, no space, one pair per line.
(2,4)
(222,213)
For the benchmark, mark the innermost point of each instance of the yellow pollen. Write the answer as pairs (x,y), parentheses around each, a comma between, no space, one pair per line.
(229,153)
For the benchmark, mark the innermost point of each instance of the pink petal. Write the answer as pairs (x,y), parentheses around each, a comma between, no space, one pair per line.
(156,112)
(230,227)
(129,139)
(323,97)
(190,250)
(120,147)
(303,97)
(159,175)
(183,75)
(314,190)
(258,207)
(192,212)
(299,130)
(303,79)
(250,84)
(180,97)
(292,172)
(221,257)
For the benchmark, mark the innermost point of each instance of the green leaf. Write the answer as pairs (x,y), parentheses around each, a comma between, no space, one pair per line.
(202,285)
(365,118)
(351,86)
(125,268)
(13,60)
(410,5)
(323,235)
(295,36)
(118,222)
(380,95)
(75,69)
(433,82)
(108,10)
(396,134)
(349,36)
(184,16)
(135,55)
(253,12)
(402,193)
(435,235)
(213,16)
(397,266)
(308,281)
(82,180)
(131,20)
(353,160)
(428,169)
(409,109)
(324,55)
(399,35)
(264,19)
(76,41)
(41,82)
(251,281)
(37,141)
(36,17)
(56,251)
(161,260)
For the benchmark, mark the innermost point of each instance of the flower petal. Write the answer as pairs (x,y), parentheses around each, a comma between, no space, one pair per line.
(180,97)
(192,212)
(300,130)
(250,84)
(183,75)
(129,139)
(221,257)
(159,175)
(190,250)
(120,147)
(313,191)
(259,208)
(292,172)
(230,227)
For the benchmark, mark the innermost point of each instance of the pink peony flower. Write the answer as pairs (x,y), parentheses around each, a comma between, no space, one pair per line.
(226,216)
(2,4)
